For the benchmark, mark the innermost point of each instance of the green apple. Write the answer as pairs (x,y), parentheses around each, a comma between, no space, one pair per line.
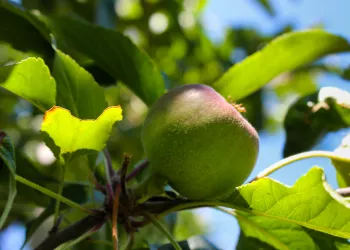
(199,143)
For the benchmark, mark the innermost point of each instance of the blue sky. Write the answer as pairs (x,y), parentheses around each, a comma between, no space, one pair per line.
(302,13)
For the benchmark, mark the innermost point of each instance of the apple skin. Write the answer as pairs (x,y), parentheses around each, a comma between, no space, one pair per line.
(199,142)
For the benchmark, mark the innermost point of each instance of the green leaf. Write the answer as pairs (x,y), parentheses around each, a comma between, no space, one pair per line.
(300,83)
(113,52)
(27,199)
(266,4)
(9,55)
(7,160)
(186,224)
(245,242)
(35,223)
(339,100)
(311,117)
(70,244)
(77,90)
(44,176)
(343,168)
(285,53)
(71,134)
(23,30)
(267,233)
(345,74)
(200,5)
(193,243)
(76,192)
(31,80)
(310,203)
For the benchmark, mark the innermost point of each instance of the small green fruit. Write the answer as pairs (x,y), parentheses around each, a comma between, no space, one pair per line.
(199,142)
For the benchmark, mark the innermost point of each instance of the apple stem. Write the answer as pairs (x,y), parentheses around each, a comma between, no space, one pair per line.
(239,107)
(109,174)
(138,169)
(311,154)
(123,171)
(164,231)
(56,225)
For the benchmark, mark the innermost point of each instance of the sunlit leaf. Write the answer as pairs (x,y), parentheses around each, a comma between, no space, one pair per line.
(201,5)
(77,90)
(31,80)
(114,53)
(343,168)
(313,116)
(7,164)
(267,233)
(310,203)
(70,134)
(285,53)
(299,83)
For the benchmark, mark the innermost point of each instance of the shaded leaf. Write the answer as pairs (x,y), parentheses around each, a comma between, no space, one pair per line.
(277,57)
(31,80)
(114,53)
(325,241)
(339,100)
(266,4)
(245,242)
(35,223)
(43,176)
(193,243)
(7,161)
(182,225)
(76,192)
(9,55)
(346,73)
(304,126)
(23,30)
(311,117)
(71,134)
(267,233)
(343,168)
(310,202)
(27,199)
(77,90)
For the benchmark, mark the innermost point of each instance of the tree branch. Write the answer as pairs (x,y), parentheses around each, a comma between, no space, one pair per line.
(123,171)
(139,168)
(90,222)
(110,173)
